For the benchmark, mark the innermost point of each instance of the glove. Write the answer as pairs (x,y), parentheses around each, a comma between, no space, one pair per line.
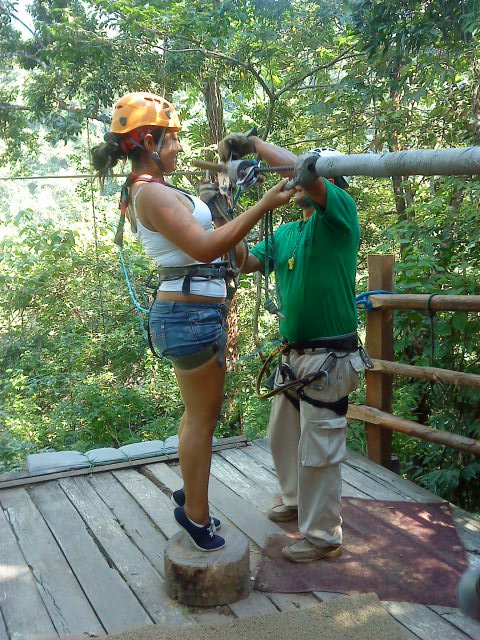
(236,144)
(305,172)
(216,202)
(207,191)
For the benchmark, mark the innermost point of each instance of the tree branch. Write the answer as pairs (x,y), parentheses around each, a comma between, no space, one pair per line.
(62,106)
(11,12)
(21,54)
(199,48)
(321,67)
(13,107)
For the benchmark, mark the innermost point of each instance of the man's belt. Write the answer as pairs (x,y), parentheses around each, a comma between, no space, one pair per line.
(212,271)
(340,343)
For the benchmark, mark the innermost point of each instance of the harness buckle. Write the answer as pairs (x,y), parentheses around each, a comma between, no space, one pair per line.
(286,372)
(327,365)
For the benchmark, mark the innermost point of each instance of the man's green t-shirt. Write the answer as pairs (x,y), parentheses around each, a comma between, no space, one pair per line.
(317,295)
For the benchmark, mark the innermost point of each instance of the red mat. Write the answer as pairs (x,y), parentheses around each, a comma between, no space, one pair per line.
(402,551)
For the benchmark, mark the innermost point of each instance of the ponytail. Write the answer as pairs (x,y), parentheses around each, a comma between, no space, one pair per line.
(106,155)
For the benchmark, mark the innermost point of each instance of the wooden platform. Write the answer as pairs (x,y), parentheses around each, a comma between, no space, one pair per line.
(83,555)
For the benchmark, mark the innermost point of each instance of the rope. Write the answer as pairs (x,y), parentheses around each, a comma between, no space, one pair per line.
(129,284)
(130,287)
(363,302)
(256,352)
(222,168)
(270,304)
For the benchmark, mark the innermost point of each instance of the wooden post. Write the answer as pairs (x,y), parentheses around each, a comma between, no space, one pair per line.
(379,344)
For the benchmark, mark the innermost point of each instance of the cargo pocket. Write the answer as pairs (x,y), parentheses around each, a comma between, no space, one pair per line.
(323,442)
(356,367)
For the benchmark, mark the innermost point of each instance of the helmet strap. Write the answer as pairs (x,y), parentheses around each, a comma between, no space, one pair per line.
(156,154)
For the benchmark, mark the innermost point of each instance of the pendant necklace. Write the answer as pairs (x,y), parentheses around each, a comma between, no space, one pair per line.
(291,261)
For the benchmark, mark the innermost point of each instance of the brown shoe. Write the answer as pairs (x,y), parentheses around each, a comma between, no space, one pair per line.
(305,551)
(282,513)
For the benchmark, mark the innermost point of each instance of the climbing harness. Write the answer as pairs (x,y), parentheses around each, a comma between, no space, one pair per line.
(217,270)
(226,270)
(284,378)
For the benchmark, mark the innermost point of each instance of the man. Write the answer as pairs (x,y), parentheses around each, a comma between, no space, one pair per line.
(315,266)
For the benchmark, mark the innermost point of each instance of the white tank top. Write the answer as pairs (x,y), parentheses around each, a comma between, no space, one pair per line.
(167,254)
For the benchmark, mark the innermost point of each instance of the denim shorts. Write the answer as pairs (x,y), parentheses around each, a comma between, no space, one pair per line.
(179,329)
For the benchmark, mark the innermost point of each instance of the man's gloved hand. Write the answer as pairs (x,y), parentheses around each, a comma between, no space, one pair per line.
(207,191)
(217,203)
(236,144)
(305,172)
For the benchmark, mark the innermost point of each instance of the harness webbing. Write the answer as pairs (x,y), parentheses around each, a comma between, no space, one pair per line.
(340,407)
(298,385)
(209,271)
(132,178)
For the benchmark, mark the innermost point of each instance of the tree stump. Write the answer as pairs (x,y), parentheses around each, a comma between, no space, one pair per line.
(208,579)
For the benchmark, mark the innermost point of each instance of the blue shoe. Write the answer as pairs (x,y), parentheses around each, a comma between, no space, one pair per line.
(178,498)
(203,538)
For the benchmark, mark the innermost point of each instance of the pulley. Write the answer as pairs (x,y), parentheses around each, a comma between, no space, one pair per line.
(243,173)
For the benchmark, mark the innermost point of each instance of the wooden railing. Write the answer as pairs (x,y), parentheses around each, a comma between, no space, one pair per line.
(376,414)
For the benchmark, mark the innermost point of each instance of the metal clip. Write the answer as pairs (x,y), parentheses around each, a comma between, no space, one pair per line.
(319,387)
(286,371)
(243,173)
(328,365)
(365,357)
(272,308)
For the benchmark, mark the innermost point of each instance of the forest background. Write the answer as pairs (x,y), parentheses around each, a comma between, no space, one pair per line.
(355,75)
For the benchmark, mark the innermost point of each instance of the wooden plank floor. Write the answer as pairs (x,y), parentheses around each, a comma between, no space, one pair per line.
(83,556)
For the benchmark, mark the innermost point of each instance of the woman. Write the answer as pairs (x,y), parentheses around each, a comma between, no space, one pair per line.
(187,318)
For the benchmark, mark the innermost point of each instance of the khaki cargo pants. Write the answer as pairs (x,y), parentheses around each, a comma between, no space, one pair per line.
(309,445)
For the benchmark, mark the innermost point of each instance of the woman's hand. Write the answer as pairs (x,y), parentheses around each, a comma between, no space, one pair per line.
(277,196)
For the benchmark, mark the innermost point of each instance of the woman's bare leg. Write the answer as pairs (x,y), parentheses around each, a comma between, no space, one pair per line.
(202,393)
(181,425)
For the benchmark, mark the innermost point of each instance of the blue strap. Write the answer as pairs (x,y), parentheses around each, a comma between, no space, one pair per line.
(363,301)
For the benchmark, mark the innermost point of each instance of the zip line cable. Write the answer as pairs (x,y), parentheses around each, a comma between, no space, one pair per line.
(84,176)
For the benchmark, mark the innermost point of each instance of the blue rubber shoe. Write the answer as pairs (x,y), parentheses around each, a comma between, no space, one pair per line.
(178,498)
(203,538)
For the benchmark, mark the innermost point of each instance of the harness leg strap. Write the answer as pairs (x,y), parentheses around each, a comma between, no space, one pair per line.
(340,407)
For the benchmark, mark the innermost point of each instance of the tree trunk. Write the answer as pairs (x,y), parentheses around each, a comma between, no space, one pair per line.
(214,108)
(216,128)
(476,101)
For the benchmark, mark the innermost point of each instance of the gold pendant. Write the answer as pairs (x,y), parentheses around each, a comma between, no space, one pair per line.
(291,263)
